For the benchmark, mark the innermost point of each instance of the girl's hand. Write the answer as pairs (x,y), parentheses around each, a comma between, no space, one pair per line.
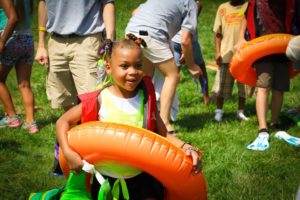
(196,155)
(74,161)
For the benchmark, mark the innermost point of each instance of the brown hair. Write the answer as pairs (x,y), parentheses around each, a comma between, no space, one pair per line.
(20,9)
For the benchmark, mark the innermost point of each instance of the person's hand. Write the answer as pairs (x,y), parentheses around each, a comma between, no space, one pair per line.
(74,161)
(42,56)
(196,155)
(181,59)
(239,44)
(195,71)
(218,59)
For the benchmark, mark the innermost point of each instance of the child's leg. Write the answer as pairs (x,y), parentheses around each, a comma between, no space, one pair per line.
(242,102)
(262,107)
(23,76)
(276,104)
(220,102)
(242,96)
(215,88)
(4,92)
(220,95)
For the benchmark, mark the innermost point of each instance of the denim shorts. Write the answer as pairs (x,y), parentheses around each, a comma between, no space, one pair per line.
(196,51)
(19,47)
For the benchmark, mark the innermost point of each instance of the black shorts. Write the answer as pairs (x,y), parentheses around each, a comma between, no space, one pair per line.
(140,187)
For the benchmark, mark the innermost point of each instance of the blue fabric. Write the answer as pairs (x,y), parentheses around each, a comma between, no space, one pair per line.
(196,51)
(3,19)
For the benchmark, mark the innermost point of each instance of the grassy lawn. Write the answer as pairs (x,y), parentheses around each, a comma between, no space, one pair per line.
(231,171)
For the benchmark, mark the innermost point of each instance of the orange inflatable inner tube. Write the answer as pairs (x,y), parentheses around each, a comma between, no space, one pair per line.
(242,61)
(99,141)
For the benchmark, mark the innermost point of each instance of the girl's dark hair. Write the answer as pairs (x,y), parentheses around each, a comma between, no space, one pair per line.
(129,41)
(20,9)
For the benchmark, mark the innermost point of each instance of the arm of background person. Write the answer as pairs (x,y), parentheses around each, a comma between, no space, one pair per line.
(187,50)
(12,19)
(217,40)
(109,18)
(42,54)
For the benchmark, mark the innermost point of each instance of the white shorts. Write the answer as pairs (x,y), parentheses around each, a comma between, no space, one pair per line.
(156,51)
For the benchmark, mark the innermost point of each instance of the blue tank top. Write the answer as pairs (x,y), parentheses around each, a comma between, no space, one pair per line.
(3,19)
(27,15)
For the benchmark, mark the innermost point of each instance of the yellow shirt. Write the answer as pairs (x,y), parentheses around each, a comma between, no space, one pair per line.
(228,23)
(123,111)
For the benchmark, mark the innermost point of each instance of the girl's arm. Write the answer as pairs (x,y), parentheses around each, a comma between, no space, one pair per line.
(63,125)
(12,19)
(161,129)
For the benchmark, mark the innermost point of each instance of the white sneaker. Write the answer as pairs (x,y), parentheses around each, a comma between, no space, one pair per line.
(219,115)
(240,115)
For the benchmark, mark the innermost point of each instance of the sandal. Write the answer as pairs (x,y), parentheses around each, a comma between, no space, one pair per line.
(282,135)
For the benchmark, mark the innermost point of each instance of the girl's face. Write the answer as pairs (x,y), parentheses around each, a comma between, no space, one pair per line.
(125,67)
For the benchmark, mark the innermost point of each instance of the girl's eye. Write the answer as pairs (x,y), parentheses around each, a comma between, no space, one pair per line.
(124,66)
(138,66)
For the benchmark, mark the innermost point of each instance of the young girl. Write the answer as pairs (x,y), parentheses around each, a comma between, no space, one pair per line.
(120,102)
(17,50)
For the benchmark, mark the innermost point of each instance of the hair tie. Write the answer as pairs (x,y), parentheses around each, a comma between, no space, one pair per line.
(106,48)
(136,40)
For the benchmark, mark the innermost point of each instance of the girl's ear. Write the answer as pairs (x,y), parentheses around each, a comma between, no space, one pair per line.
(107,66)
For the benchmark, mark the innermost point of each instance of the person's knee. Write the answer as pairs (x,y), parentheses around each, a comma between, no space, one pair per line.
(23,85)
(277,92)
(263,90)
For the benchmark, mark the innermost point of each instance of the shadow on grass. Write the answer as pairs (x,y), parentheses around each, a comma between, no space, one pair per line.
(9,145)
(46,122)
(194,121)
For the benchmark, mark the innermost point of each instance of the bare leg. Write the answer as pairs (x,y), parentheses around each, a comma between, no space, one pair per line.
(23,76)
(276,104)
(242,102)
(4,92)
(204,76)
(170,72)
(215,88)
(220,102)
(148,67)
(262,107)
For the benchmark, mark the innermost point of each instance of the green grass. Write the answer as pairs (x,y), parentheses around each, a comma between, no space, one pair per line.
(231,171)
